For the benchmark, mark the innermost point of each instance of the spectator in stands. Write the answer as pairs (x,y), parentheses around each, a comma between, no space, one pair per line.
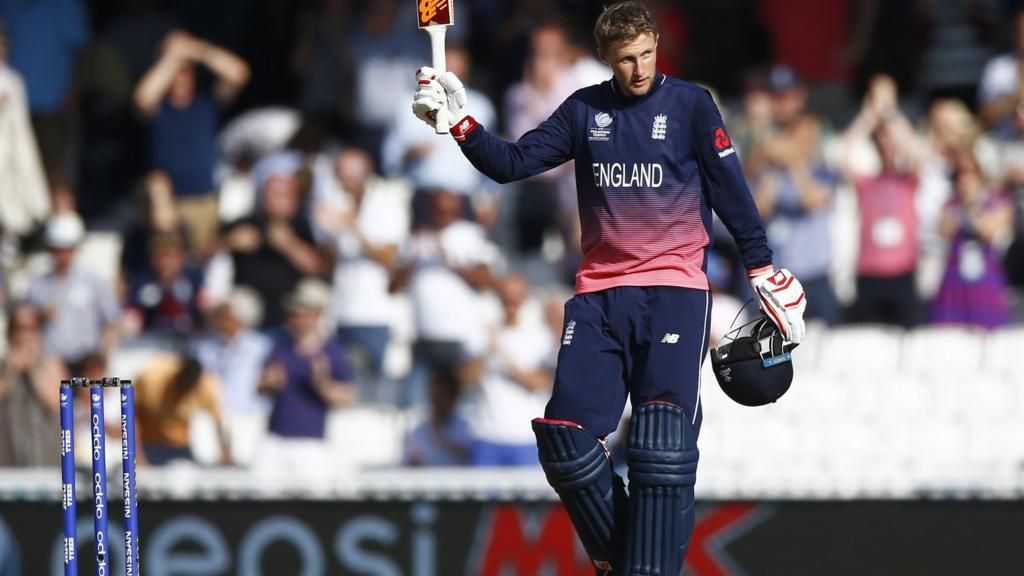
(755,123)
(1000,88)
(547,82)
(235,353)
(888,253)
(974,289)
(383,49)
(323,61)
(29,377)
(157,215)
(443,438)
(24,193)
(446,266)
(80,311)
(274,248)
(169,392)
(1001,155)
(306,374)
(513,381)
(415,152)
(184,118)
(168,300)
(367,232)
(769,144)
(795,197)
(46,42)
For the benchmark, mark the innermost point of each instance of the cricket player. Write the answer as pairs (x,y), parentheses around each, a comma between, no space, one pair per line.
(653,160)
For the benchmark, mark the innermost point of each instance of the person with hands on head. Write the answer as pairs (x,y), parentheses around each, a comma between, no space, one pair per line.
(183,113)
(653,159)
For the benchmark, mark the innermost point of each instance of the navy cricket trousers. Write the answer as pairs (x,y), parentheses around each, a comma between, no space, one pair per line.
(645,341)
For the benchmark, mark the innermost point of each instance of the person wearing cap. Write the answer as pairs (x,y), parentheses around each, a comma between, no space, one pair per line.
(274,248)
(236,353)
(80,309)
(306,374)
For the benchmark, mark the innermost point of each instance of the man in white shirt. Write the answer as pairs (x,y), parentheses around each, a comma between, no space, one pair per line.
(513,382)
(447,267)
(367,226)
(236,354)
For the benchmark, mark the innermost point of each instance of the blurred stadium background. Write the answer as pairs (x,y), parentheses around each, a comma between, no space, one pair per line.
(193,195)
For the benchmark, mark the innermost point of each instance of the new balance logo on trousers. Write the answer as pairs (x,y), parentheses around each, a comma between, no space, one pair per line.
(670,338)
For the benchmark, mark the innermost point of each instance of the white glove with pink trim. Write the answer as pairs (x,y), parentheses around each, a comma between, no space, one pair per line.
(434,92)
(782,299)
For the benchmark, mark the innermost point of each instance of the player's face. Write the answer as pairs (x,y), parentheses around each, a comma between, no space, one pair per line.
(633,63)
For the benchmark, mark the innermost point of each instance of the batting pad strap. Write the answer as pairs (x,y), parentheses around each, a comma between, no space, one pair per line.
(463,127)
(662,447)
(659,468)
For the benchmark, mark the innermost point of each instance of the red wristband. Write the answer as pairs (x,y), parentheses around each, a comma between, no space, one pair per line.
(759,271)
(463,127)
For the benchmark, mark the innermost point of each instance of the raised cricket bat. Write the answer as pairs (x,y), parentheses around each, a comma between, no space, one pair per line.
(435,16)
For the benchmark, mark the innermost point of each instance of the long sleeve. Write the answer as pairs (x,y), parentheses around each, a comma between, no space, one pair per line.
(727,190)
(543,148)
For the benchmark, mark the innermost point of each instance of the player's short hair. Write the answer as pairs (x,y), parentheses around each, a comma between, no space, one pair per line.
(623,21)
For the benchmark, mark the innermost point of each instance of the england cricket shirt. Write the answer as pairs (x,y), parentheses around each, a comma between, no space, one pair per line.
(649,170)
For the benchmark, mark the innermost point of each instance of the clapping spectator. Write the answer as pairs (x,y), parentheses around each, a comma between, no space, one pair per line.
(513,382)
(446,267)
(543,202)
(974,289)
(80,312)
(235,353)
(888,253)
(184,117)
(306,374)
(367,232)
(795,197)
(443,438)
(169,392)
(273,249)
(29,377)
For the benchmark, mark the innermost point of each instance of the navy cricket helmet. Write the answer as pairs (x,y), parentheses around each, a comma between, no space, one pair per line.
(757,368)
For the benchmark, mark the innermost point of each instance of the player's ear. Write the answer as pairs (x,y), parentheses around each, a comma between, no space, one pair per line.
(602,56)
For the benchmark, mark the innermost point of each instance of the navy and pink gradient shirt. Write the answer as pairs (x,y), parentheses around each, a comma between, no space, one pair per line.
(649,170)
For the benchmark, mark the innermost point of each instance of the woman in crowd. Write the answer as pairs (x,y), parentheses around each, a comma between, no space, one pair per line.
(974,289)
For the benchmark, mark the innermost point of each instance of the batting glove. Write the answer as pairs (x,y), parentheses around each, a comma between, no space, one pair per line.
(782,299)
(433,91)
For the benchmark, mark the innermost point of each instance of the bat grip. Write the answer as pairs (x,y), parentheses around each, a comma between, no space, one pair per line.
(441,66)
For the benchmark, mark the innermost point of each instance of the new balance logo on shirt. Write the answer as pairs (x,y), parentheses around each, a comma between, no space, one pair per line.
(670,338)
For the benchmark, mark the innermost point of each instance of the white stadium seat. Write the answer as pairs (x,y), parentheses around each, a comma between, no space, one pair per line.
(944,351)
(859,352)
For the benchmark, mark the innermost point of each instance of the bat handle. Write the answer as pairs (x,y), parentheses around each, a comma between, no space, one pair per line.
(441,66)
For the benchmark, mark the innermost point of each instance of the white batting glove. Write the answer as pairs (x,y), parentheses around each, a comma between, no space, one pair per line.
(432,92)
(782,299)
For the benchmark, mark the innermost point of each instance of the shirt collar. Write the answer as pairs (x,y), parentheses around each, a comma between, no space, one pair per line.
(659,79)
